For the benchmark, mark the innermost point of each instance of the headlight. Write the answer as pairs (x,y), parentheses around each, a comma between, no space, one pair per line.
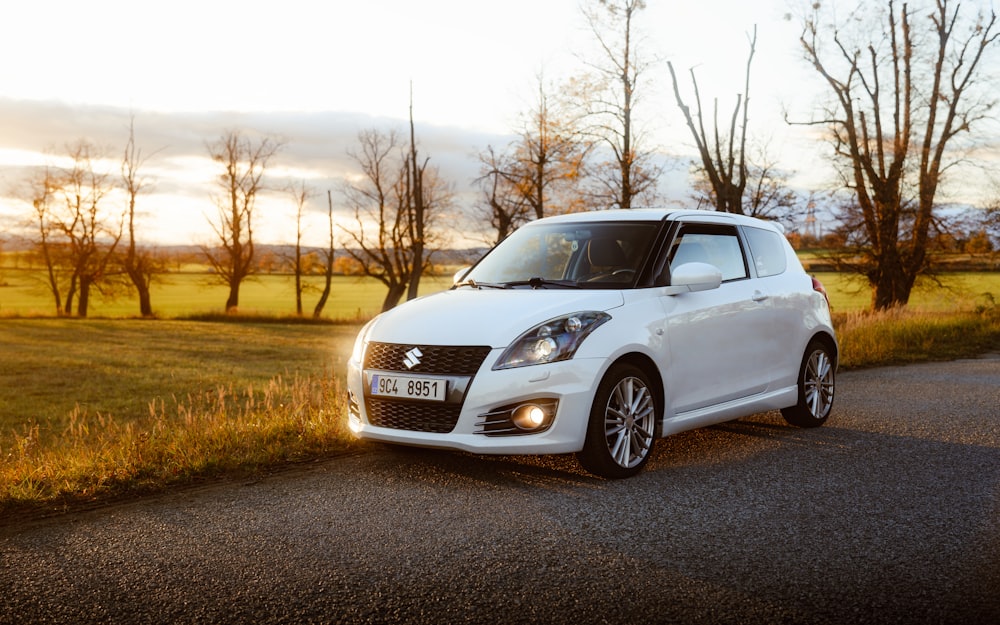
(358,353)
(556,339)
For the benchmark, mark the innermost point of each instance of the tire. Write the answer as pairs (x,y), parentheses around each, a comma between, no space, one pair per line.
(816,387)
(622,425)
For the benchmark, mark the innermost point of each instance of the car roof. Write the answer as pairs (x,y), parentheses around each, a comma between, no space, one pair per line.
(659,214)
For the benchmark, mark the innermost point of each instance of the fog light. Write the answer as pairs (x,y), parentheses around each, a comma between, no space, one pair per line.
(529,417)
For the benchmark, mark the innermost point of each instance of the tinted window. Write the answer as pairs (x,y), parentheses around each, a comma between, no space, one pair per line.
(592,254)
(768,251)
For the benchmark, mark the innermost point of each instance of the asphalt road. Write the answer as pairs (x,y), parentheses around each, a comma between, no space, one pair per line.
(888,514)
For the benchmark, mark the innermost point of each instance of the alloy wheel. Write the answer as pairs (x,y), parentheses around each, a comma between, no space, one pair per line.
(818,384)
(628,422)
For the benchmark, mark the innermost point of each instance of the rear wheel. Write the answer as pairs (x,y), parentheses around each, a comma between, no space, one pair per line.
(816,387)
(622,424)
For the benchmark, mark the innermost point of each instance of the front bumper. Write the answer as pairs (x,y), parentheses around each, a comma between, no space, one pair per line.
(572,383)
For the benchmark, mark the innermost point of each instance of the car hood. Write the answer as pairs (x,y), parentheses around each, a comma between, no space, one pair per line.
(483,317)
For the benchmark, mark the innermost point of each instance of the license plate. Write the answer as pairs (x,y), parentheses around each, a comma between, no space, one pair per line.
(409,387)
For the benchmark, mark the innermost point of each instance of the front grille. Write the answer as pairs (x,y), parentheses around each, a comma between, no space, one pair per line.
(414,416)
(420,416)
(434,359)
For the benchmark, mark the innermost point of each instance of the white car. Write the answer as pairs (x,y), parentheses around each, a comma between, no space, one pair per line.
(596,333)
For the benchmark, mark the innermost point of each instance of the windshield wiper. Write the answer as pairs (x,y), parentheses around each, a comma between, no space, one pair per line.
(537,283)
(479,285)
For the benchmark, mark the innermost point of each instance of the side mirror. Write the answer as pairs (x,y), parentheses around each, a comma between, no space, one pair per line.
(692,277)
(460,275)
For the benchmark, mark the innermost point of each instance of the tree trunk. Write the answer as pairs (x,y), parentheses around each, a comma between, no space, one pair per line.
(54,285)
(83,303)
(418,216)
(392,297)
(233,303)
(328,273)
(318,310)
(890,281)
(145,304)
(416,272)
(298,287)
(141,284)
(70,296)
(730,198)
(890,290)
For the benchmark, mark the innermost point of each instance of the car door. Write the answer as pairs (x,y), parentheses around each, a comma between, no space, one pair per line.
(715,337)
(786,298)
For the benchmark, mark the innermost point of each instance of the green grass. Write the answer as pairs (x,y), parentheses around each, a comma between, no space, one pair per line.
(956,290)
(118,367)
(354,298)
(92,409)
(22,293)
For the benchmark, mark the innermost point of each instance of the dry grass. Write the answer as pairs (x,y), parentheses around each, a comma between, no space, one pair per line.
(225,431)
(901,336)
(107,445)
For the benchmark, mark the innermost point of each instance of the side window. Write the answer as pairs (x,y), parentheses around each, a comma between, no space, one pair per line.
(715,245)
(768,251)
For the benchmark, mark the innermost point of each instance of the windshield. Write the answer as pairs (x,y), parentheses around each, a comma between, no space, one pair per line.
(575,255)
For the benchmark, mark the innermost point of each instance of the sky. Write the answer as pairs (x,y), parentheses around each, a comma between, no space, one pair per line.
(316,73)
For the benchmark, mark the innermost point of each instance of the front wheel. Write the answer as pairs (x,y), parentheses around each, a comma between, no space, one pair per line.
(816,386)
(622,424)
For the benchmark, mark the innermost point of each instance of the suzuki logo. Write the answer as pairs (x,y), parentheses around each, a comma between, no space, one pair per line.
(412,358)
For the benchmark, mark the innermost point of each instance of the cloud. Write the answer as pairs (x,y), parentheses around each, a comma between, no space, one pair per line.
(174,146)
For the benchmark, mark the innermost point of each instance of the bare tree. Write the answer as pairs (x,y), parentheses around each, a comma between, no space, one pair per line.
(723,157)
(900,102)
(79,226)
(384,212)
(537,175)
(549,159)
(43,189)
(140,265)
(608,97)
(380,231)
(300,195)
(243,162)
(328,257)
(417,209)
(767,192)
(502,201)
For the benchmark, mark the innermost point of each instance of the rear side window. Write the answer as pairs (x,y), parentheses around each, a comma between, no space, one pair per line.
(768,251)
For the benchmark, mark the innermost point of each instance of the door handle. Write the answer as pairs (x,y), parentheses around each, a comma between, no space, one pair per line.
(759,296)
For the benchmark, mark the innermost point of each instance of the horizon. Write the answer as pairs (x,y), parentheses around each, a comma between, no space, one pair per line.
(469,86)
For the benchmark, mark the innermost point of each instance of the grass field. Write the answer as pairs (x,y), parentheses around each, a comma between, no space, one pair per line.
(52,367)
(353,298)
(22,293)
(956,290)
(96,408)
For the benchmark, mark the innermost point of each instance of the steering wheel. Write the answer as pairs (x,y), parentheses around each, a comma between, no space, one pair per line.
(611,276)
